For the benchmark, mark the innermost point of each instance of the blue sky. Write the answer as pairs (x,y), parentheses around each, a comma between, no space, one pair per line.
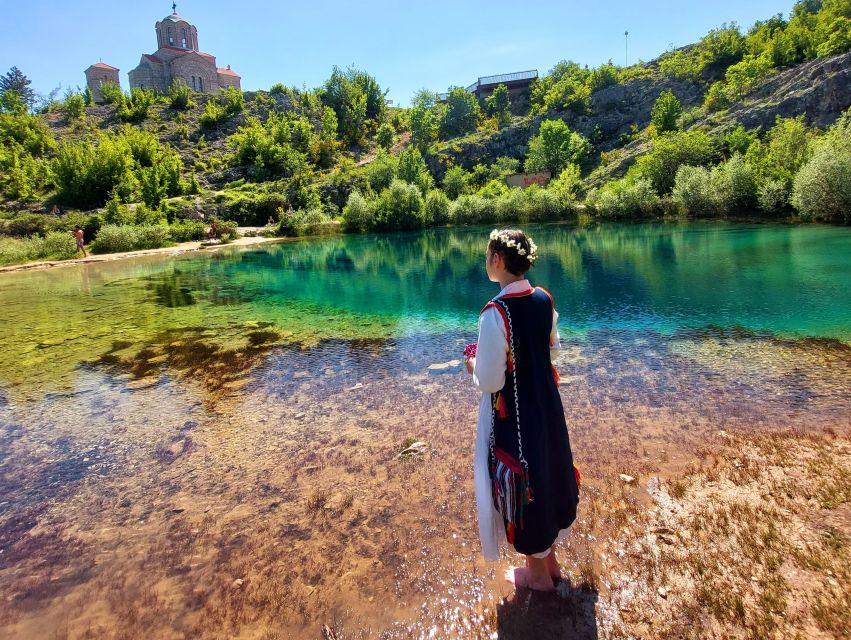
(405,45)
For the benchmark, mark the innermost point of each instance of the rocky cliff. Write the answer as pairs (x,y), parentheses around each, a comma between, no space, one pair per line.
(820,90)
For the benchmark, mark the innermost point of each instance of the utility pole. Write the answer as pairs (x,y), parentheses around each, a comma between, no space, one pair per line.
(626,48)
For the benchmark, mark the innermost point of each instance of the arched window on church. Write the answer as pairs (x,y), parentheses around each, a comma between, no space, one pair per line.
(193,84)
(200,84)
(170,37)
(183,38)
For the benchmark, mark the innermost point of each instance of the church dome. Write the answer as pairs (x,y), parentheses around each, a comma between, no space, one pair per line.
(175,18)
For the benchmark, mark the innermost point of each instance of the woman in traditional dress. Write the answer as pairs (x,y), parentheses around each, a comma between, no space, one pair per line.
(527,488)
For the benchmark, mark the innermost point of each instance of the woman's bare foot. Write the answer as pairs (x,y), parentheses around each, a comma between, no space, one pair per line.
(530,578)
(553,566)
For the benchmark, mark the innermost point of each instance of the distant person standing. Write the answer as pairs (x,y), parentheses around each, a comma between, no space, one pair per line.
(55,210)
(214,232)
(79,236)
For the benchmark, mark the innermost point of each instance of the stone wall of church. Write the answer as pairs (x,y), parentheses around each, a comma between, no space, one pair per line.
(96,77)
(228,81)
(150,76)
(196,73)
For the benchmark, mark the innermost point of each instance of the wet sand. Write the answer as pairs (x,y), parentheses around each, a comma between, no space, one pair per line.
(176,249)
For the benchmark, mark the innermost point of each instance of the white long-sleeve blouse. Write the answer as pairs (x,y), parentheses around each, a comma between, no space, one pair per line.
(489,377)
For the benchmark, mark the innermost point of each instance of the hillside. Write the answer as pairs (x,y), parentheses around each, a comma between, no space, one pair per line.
(726,110)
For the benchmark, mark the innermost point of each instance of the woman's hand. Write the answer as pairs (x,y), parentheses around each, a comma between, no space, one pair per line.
(471,364)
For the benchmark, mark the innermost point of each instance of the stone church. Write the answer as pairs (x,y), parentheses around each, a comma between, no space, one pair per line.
(177,58)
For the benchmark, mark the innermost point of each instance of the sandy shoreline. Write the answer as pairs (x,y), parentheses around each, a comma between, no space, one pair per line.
(183,247)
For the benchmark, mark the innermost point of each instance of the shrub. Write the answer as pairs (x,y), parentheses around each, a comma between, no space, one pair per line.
(305,222)
(28,224)
(213,115)
(271,147)
(716,97)
(555,147)
(136,108)
(436,208)
(773,196)
(603,76)
(118,239)
(624,198)
(822,188)
(86,174)
(227,228)
(56,245)
(112,93)
(117,213)
(670,152)
(666,112)
(179,96)
(74,106)
(413,169)
(233,101)
(455,182)
(742,77)
(694,192)
(385,137)
(566,185)
(472,209)
(400,206)
(381,171)
(735,183)
(358,215)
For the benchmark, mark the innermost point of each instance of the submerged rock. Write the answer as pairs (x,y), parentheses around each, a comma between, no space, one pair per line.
(416,448)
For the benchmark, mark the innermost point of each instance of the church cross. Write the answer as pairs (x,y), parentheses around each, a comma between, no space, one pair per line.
(174,7)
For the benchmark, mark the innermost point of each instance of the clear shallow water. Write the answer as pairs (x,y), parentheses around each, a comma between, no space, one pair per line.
(166,423)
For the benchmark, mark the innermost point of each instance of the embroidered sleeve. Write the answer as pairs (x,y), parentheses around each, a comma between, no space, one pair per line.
(555,338)
(489,372)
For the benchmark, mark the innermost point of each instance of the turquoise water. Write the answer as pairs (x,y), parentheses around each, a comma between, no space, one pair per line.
(792,280)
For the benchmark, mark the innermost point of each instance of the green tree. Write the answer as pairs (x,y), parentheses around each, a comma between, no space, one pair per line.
(461,115)
(16,81)
(455,182)
(413,169)
(112,93)
(400,206)
(385,137)
(666,112)
(179,95)
(603,76)
(499,105)
(822,187)
(356,98)
(11,103)
(555,147)
(74,106)
(670,152)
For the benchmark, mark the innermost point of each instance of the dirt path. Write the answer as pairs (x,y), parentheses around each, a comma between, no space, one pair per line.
(183,247)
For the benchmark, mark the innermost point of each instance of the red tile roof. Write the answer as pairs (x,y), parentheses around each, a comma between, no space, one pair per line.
(227,72)
(152,58)
(101,65)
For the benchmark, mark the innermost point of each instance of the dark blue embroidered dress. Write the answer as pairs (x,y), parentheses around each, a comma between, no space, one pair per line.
(531,467)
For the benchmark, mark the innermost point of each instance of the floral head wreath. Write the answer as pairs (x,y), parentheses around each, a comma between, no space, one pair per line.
(508,242)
